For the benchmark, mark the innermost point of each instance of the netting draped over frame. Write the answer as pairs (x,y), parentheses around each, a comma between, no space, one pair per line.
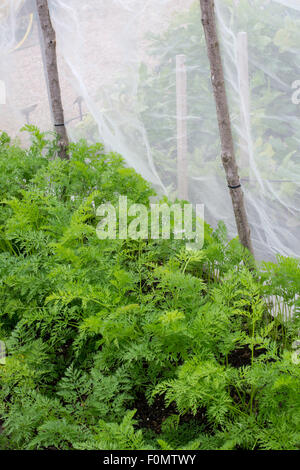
(135,75)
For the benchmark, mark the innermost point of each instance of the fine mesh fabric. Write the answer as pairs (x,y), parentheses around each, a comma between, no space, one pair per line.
(135,75)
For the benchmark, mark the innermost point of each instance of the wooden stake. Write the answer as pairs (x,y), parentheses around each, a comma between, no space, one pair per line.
(181,90)
(243,73)
(49,45)
(42,48)
(227,146)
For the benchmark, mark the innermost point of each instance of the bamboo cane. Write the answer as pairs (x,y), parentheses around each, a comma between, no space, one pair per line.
(181,107)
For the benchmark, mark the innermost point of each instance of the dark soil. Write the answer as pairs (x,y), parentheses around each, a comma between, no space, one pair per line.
(242,357)
(153,416)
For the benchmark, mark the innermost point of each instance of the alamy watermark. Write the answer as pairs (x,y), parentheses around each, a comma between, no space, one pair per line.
(178,221)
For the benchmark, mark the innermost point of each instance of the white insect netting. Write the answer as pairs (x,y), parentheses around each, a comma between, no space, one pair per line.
(135,75)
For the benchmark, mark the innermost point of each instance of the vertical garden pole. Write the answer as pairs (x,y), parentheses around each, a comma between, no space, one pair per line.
(181,106)
(41,43)
(49,46)
(243,72)
(227,146)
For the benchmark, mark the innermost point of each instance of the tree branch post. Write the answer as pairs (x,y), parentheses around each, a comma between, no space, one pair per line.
(49,52)
(227,146)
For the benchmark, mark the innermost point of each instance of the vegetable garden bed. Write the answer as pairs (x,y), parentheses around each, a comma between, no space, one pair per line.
(133,344)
